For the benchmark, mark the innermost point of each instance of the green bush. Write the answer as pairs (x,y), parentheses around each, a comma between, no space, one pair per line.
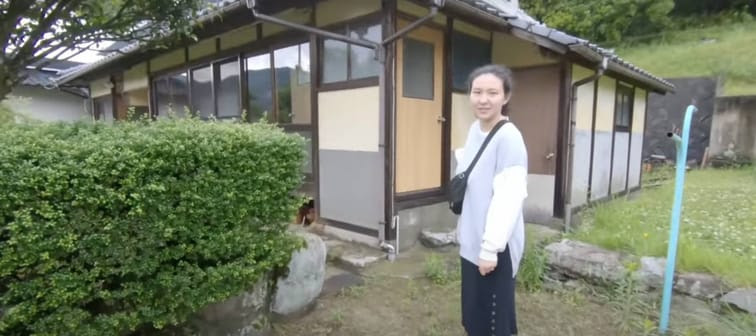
(118,230)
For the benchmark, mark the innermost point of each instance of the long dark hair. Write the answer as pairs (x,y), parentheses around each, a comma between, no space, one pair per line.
(501,72)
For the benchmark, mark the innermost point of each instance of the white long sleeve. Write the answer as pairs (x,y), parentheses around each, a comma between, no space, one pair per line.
(509,193)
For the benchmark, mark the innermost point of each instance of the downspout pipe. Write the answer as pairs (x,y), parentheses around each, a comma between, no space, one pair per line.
(392,219)
(571,140)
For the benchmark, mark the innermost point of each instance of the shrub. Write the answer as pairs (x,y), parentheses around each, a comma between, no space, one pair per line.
(114,230)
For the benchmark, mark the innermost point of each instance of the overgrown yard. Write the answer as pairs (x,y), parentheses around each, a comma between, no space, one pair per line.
(718,223)
(419,295)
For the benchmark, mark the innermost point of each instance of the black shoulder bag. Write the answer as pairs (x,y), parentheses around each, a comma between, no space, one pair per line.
(458,185)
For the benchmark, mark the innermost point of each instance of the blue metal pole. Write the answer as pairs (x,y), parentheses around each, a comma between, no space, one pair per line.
(674,230)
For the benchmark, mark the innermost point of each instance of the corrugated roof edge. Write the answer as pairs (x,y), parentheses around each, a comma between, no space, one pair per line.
(204,15)
(519,19)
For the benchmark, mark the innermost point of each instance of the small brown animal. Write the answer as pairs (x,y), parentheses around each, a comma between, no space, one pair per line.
(306,213)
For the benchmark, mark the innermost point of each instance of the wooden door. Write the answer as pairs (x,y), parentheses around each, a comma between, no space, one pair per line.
(419,115)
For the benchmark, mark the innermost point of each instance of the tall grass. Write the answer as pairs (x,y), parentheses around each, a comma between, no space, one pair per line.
(717,226)
(726,51)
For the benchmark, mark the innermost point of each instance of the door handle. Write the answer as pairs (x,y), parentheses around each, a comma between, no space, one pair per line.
(440,119)
(549,156)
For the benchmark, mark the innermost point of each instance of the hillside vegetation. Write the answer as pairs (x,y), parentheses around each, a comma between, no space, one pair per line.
(727,51)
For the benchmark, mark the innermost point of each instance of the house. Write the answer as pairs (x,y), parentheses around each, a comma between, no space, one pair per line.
(37,97)
(378,86)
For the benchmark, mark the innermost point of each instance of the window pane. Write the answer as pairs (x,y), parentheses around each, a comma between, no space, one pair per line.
(172,95)
(468,53)
(363,62)
(418,69)
(286,61)
(307,165)
(304,63)
(617,107)
(104,108)
(259,87)
(228,90)
(202,93)
(627,110)
(293,98)
(623,107)
(334,61)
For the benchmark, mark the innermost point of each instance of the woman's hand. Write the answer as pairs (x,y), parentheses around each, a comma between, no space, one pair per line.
(486,266)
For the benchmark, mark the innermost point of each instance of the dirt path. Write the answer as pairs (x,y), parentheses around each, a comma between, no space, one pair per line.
(398,300)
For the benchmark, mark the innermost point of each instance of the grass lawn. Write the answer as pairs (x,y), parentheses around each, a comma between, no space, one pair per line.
(726,50)
(717,226)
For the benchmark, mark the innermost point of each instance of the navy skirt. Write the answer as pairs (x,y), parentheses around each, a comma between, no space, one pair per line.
(488,302)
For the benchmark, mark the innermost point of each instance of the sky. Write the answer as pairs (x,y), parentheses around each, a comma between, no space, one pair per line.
(88,56)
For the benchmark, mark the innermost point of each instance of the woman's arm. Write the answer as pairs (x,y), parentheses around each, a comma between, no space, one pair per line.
(509,193)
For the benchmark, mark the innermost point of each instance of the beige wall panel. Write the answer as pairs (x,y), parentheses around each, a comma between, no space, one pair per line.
(462,118)
(405,6)
(471,29)
(300,100)
(639,110)
(584,104)
(516,53)
(440,19)
(333,11)
(348,119)
(413,9)
(296,15)
(100,87)
(202,48)
(136,78)
(167,60)
(579,72)
(605,104)
(138,98)
(238,37)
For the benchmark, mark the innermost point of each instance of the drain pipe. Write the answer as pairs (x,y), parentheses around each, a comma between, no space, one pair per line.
(392,219)
(571,141)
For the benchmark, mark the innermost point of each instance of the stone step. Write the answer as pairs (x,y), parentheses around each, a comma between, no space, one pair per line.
(537,234)
(351,256)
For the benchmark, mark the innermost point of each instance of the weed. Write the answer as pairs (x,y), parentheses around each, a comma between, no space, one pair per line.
(440,271)
(532,268)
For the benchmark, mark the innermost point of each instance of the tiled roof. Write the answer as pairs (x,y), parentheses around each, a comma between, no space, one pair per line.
(501,9)
(42,72)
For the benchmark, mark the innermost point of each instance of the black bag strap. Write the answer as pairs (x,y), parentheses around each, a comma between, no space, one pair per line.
(483,146)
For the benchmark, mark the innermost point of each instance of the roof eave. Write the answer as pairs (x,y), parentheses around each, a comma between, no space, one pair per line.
(594,56)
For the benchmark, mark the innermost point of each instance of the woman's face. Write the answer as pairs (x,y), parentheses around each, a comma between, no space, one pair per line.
(487,96)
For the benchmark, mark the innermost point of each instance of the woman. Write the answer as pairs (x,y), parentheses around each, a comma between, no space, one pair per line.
(490,228)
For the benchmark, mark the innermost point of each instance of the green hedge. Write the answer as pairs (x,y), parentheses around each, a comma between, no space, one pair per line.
(126,229)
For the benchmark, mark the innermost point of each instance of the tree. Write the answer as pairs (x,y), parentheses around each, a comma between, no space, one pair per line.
(602,20)
(34,30)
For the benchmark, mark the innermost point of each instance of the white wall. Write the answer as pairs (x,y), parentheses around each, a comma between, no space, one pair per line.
(48,105)
(619,166)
